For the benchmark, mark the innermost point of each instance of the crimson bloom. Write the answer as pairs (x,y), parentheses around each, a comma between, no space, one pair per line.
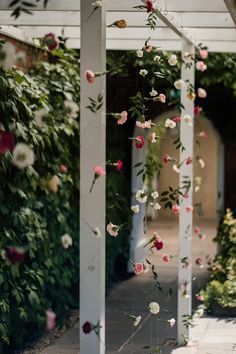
(7,141)
(158,244)
(176,119)
(87,327)
(197,110)
(166,158)
(150,6)
(51,41)
(119,165)
(139,141)
(15,255)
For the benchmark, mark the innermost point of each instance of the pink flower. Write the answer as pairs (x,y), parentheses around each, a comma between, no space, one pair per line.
(197,230)
(63,168)
(197,110)
(150,6)
(7,141)
(51,41)
(165,258)
(188,208)
(199,297)
(158,243)
(90,76)
(202,134)
(119,165)
(175,168)
(51,320)
(146,124)
(162,98)
(99,171)
(153,137)
(175,209)
(201,66)
(176,119)
(112,229)
(139,141)
(123,117)
(203,53)
(201,93)
(189,160)
(149,48)
(166,158)
(138,268)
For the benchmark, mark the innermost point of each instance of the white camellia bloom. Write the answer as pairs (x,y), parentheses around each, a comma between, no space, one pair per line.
(141,196)
(154,308)
(66,241)
(155,195)
(169,123)
(72,109)
(136,320)
(40,117)
(143,72)
(173,60)
(179,84)
(153,93)
(188,120)
(135,208)
(139,53)
(22,156)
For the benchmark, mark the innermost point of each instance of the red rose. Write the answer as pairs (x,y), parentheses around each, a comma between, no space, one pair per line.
(158,244)
(51,41)
(166,158)
(87,327)
(7,141)
(119,165)
(15,255)
(139,142)
(150,6)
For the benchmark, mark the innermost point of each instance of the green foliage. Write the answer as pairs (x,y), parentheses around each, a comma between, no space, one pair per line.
(222,288)
(33,217)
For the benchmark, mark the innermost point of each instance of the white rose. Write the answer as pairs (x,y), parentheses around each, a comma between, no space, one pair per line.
(169,123)
(135,208)
(143,72)
(179,84)
(154,308)
(157,206)
(153,93)
(155,195)
(141,196)
(139,53)
(66,241)
(172,60)
(22,156)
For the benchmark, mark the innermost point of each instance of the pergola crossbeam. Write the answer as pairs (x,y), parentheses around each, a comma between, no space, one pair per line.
(231,6)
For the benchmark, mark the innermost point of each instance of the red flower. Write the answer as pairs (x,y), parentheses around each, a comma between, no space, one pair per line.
(150,6)
(63,168)
(15,255)
(139,142)
(197,110)
(51,41)
(189,160)
(119,165)
(158,244)
(166,158)
(87,327)
(198,261)
(176,119)
(7,141)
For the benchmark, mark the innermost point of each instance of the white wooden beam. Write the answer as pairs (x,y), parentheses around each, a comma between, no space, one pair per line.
(92,205)
(185,219)
(231,6)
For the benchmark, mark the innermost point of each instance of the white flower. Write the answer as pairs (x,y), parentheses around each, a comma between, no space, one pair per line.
(169,123)
(200,312)
(22,156)
(97,232)
(175,168)
(171,322)
(135,208)
(139,53)
(157,58)
(39,117)
(172,60)
(72,109)
(155,194)
(188,120)
(198,180)
(197,188)
(154,308)
(201,163)
(141,196)
(201,93)
(153,93)
(136,320)
(156,206)
(66,241)
(179,84)
(97,3)
(143,72)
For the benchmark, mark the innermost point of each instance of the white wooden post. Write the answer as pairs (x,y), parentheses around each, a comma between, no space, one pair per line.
(185,219)
(92,205)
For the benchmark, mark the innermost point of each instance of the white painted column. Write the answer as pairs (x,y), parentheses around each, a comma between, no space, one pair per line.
(92,205)
(185,219)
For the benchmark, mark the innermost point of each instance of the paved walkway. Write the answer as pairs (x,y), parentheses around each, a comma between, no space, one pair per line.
(210,336)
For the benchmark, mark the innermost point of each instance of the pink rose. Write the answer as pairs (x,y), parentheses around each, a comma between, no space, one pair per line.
(165,258)
(166,158)
(153,138)
(123,117)
(90,76)
(119,165)
(63,168)
(202,134)
(199,297)
(188,208)
(112,229)
(138,268)
(201,66)
(176,119)
(175,209)
(197,230)
(149,48)
(51,320)
(139,141)
(162,98)
(201,93)
(99,171)
(146,124)
(203,53)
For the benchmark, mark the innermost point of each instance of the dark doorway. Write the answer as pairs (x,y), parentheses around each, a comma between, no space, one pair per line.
(230,177)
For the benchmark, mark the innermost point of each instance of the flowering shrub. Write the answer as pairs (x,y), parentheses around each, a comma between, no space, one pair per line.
(39,199)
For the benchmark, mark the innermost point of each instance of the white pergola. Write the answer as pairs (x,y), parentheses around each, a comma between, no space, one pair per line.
(182,25)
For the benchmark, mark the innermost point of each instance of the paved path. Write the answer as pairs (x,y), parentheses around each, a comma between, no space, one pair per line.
(133,296)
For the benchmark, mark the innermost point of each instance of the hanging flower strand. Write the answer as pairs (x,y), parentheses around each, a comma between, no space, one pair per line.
(98,172)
